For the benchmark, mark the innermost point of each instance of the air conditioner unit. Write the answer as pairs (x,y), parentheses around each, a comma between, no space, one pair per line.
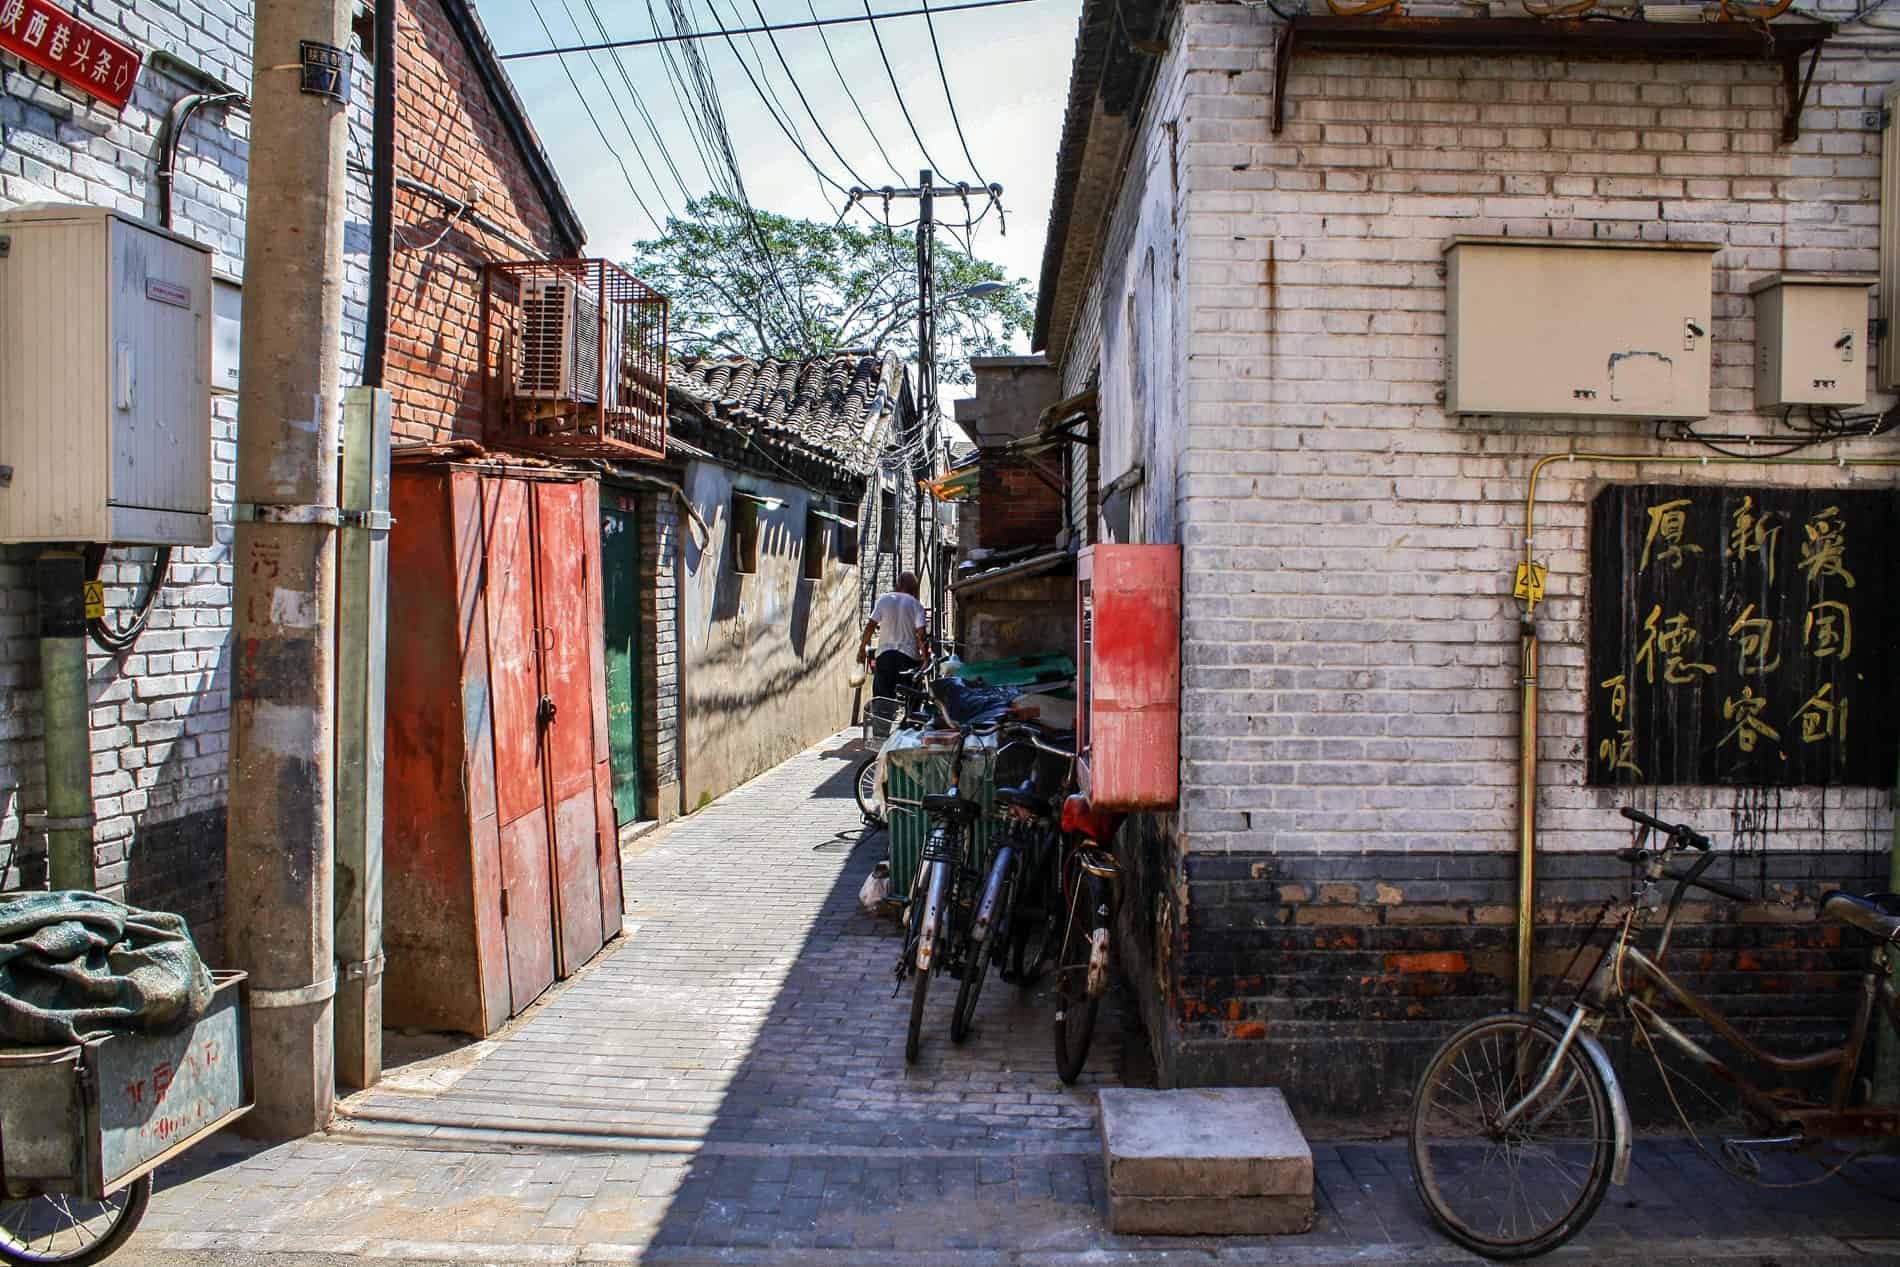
(560,341)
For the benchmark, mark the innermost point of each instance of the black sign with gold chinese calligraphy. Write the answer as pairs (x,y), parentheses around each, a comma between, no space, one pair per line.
(1743,636)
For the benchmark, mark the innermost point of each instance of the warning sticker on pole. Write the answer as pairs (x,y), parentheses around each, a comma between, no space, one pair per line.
(95,600)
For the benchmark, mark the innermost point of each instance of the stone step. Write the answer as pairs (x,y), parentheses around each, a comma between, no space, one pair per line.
(1205,1161)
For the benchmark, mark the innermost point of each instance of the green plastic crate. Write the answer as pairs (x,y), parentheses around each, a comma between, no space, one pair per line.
(916,766)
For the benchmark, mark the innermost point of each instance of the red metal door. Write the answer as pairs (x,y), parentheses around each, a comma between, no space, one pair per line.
(515,696)
(567,518)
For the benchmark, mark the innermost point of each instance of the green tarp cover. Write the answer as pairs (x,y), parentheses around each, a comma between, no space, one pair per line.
(74,965)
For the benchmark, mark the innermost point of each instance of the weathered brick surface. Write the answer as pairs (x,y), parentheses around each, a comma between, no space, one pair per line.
(1287,960)
(159,712)
(1017,507)
(450,136)
(660,649)
(1349,645)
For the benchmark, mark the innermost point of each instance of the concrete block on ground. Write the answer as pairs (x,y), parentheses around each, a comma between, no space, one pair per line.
(1203,1142)
(1223,1161)
(1210,1216)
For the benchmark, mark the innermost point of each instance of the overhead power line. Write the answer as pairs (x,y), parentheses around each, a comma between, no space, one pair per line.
(955,118)
(855,104)
(884,57)
(680,36)
(598,129)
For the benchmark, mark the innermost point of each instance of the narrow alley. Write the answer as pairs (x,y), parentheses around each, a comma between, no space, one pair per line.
(728,1085)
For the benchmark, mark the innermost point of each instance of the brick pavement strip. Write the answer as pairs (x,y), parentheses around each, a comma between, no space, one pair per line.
(726,1085)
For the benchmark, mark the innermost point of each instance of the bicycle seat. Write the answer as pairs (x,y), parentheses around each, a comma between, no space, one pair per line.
(1878,915)
(950,805)
(1026,799)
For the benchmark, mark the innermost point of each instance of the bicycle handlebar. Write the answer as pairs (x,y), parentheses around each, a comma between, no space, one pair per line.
(1675,831)
(1028,734)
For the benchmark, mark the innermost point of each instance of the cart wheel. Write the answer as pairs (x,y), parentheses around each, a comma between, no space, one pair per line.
(70,1229)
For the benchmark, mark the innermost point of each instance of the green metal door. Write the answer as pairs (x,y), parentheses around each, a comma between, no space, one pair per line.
(620,596)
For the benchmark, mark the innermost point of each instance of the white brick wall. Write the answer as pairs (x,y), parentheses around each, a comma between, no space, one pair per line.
(1350,657)
(159,713)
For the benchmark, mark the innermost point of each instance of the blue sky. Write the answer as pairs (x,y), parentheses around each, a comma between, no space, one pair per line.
(1008,68)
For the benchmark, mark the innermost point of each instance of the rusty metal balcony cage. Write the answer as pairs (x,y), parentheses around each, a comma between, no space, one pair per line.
(573,360)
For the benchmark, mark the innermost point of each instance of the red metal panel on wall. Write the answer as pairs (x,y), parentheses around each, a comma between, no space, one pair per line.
(567,519)
(1129,633)
(577,880)
(569,625)
(478,747)
(528,916)
(611,908)
(429,938)
(514,676)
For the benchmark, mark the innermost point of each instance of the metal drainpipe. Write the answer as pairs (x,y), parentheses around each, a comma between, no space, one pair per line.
(1527,739)
(382,192)
(61,577)
(1526,810)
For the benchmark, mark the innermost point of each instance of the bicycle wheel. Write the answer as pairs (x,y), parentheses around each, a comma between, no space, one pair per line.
(865,785)
(920,977)
(1032,927)
(977,965)
(69,1229)
(1525,1189)
(1076,1004)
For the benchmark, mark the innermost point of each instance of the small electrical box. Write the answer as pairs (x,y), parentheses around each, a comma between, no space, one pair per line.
(1128,674)
(1810,340)
(1538,326)
(105,379)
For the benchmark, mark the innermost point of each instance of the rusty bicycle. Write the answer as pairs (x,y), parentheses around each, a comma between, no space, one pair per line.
(1519,1124)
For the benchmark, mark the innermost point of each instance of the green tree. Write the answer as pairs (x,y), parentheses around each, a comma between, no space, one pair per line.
(768,285)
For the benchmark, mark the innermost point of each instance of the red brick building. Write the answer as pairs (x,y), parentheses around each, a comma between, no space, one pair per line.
(472,187)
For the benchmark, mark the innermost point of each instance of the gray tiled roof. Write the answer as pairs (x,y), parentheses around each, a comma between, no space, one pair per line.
(824,405)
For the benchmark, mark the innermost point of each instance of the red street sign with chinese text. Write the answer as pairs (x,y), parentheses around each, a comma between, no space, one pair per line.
(52,39)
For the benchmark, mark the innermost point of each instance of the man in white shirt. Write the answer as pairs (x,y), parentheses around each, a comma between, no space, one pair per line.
(897,621)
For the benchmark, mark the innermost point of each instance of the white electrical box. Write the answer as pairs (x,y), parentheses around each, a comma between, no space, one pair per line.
(105,376)
(1810,340)
(1600,329)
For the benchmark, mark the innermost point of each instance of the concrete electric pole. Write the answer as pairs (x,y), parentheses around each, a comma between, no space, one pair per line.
(279,847)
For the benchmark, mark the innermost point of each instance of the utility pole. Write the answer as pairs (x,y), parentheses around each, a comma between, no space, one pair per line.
(279,849)
(924,558)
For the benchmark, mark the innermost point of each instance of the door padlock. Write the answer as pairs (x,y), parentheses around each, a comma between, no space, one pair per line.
(544,714)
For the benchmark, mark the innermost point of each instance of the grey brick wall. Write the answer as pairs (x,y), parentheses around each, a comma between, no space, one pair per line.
(1350,660)
(159,718)
(1350,670)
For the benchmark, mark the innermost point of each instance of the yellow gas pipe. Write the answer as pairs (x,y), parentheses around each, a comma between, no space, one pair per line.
(1527,644)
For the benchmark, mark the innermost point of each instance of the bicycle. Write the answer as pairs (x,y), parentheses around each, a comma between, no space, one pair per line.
(1003,926)
(1089,888)
(942,894)
(909,709)
(1519,1124)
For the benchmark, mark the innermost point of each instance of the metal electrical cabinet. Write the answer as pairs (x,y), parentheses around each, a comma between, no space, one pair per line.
(1128,674)
(1601,329)
(105,379)
(501,861)
(1810,340)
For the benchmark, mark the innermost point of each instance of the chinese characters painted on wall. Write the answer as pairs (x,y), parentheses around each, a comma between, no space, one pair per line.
(44,35)
(1736,636)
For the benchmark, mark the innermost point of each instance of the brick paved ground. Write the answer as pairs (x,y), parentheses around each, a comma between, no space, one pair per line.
(728,1085)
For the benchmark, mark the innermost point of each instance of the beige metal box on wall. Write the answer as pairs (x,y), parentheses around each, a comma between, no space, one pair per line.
(1601,329)
(105,376)
(1810,340)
